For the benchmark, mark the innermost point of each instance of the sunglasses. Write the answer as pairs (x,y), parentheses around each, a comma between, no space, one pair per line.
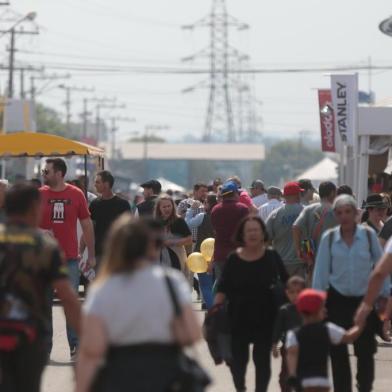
(44,171)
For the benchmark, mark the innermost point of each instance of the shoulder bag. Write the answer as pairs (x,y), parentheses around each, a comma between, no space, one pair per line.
(191,377)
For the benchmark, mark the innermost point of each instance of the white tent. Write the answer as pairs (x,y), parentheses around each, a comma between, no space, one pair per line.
(166,185)
(325,170)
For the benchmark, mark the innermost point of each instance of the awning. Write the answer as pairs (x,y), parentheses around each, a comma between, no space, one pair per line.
(30,144)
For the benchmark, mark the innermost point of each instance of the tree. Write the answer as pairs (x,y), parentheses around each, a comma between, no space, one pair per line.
(49,121)
(149,139)
(286,160)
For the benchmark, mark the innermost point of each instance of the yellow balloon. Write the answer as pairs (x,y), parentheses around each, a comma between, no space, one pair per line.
(197,263)
(207,248)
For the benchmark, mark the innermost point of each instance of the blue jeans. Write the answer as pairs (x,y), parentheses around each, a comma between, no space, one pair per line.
(74,277)
(205,284)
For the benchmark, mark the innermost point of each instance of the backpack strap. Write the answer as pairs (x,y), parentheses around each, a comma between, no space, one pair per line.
(369,238)
(317,230)
(331,236)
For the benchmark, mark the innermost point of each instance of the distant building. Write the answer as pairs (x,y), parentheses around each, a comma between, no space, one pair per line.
(186,163)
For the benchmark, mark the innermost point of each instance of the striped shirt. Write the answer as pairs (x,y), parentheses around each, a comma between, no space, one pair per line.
(268,207)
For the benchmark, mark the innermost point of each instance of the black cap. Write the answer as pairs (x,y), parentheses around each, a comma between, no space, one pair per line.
(375,201)
(154,185)
(306,184)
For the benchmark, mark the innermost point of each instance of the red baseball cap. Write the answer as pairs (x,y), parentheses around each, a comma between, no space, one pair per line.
(292,188)
(310,301)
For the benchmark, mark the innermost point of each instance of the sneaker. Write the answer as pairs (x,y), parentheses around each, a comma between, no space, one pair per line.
(73,353)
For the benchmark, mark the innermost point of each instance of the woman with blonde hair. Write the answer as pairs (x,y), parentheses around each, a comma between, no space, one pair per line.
(177,232)
(128,339)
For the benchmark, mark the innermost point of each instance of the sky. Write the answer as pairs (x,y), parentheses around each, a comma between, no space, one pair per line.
(283,33)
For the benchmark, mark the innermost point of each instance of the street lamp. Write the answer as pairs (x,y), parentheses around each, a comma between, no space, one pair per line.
(31,16)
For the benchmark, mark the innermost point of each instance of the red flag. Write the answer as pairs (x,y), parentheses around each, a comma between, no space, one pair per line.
(327,121)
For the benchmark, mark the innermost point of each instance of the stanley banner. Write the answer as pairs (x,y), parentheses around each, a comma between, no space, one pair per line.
(344,89)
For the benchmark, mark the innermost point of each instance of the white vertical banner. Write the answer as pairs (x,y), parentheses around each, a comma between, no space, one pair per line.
(344,90)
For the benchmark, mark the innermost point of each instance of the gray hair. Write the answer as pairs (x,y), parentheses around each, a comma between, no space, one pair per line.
(345,200)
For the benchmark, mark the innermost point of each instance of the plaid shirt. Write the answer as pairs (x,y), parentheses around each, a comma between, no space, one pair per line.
(182,209)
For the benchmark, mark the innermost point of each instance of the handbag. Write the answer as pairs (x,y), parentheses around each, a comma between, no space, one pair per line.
(190,377)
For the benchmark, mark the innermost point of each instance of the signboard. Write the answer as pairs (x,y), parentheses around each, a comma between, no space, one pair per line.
(19,115)
(327,121)
(386,26)
(344,89)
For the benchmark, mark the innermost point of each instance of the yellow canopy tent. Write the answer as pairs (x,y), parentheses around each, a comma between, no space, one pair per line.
(30,144)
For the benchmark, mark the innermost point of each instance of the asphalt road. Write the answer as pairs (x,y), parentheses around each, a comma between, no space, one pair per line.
(58,376)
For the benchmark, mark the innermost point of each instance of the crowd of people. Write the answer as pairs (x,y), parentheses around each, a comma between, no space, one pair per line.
(293,269)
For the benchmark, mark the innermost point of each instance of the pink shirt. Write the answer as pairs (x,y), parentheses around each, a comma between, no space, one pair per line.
(245,199)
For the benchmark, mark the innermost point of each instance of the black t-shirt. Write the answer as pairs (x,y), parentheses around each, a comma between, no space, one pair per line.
(103,213)
(386,231)
(287,320)
(249,289)
(146,208)
(180,228)
(30,262)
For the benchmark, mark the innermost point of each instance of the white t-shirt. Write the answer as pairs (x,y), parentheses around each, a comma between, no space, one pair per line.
(136,307)
(336,334)
(388,247)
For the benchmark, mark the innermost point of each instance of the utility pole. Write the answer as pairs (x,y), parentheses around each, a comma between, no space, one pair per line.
(219,117)
(114,130)
(84,116)
(68,102)
(13,31)
(11,65)
(103,103)
(49,78)
(147,129)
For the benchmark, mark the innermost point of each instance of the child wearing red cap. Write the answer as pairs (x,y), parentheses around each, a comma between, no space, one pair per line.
(308,346)
(288,318)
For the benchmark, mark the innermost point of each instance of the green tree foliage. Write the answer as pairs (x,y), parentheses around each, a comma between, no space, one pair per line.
(49,121)
(286,160)
(150,139)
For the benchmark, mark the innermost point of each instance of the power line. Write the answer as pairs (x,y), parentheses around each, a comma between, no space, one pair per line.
(159,70)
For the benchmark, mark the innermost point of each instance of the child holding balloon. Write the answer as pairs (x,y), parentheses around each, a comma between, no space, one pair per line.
(204,246)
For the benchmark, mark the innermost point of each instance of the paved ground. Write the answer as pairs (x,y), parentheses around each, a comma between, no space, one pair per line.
(58,376)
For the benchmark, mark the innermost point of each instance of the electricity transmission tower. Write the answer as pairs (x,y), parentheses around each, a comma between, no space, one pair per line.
(219,117)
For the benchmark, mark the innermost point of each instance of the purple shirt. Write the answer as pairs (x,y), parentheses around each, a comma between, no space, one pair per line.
(225,218)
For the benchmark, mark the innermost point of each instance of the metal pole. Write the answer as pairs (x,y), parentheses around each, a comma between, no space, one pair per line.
(85,176)
(68,108)
(145,144)
(97,125)
(22,83)
(32,89)
(113,137)
(11,65)
(85,114)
